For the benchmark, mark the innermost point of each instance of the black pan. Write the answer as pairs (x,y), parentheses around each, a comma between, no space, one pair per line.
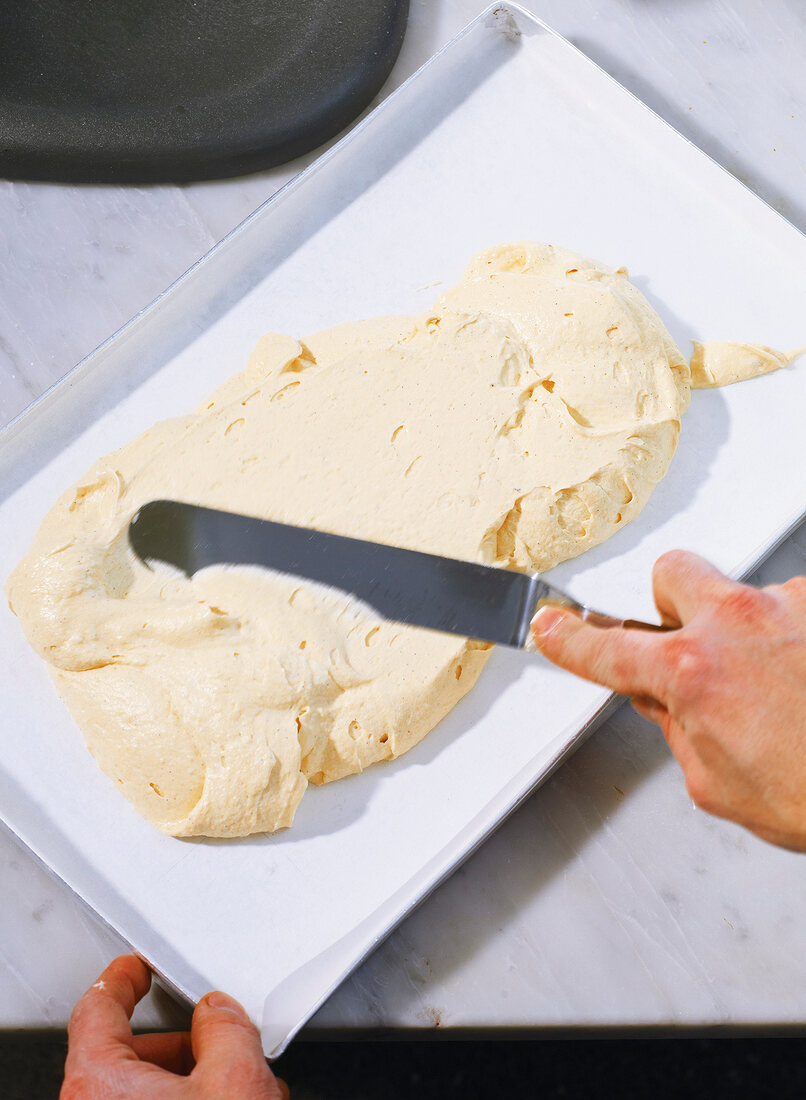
(137,91)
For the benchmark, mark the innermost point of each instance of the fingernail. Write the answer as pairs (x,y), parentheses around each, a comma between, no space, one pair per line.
(229,1004)
(545,623)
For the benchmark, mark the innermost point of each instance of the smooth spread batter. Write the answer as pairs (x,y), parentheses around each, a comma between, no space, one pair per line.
(523,419)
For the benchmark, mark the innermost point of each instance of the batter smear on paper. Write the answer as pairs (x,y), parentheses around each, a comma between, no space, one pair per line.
(523,419)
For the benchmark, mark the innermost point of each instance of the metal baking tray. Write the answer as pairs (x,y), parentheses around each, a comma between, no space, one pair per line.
(507,133)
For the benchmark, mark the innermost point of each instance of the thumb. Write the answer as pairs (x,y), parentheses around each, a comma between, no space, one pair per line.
(228,1052)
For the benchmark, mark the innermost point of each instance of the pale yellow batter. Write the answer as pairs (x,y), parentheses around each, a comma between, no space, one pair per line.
(722,362)
(523,419)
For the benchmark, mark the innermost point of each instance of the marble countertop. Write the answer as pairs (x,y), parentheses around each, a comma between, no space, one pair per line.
(608,899)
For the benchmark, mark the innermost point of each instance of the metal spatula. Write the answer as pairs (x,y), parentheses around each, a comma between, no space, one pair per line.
(460,597)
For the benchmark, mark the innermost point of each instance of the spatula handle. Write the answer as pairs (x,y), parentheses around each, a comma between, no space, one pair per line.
(557,598)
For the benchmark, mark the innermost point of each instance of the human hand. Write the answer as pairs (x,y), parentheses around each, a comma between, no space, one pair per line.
(728,689)
(220,1057)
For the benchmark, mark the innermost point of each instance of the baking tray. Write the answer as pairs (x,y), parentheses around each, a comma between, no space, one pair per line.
(508,132)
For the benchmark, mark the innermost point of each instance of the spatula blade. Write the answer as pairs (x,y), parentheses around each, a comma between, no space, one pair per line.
(407,586)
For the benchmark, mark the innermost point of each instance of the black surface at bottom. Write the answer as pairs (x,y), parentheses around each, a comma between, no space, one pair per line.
(581,1069)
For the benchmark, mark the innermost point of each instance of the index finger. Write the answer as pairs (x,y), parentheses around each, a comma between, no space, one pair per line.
(683,583)
(626,661)
(99,1024)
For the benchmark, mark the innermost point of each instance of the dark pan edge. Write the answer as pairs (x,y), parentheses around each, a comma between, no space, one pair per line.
(212,161)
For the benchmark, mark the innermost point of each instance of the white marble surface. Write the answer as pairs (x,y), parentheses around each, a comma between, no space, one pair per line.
(608,899)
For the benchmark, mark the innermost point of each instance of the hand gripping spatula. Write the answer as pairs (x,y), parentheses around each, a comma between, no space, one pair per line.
(407,586)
